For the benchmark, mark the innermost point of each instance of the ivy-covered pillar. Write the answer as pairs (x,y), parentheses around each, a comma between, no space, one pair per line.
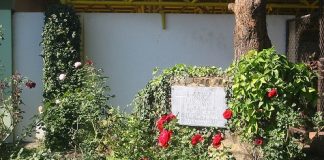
(61,50)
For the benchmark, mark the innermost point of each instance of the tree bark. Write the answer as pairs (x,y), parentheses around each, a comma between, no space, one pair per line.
(250,30)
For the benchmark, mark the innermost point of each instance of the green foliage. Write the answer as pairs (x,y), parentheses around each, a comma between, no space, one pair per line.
(61,49)
(135,136)
(256,114)
(77,118)
(126,137)
(154,99)
(72,119)
(318,121)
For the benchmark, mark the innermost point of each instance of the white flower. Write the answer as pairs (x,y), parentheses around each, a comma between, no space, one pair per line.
(73,34)
(62,77)
(40,109)
(57,101)
(77,64)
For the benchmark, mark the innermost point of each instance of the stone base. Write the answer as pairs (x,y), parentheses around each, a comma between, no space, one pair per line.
(241,150)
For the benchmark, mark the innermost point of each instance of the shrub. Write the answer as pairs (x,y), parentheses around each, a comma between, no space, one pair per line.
(268,95)
(74,116)
(77,118)
(124,136)
(61,49)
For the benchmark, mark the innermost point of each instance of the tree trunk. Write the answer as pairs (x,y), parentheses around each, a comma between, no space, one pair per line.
(250,30)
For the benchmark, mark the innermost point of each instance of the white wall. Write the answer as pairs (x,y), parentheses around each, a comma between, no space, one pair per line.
(27,29)
(129,46)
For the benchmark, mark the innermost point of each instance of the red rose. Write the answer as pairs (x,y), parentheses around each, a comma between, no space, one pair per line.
(228,114)
(160,122)
(258,141)
(170,117)
(196,139)
(217,140)
(272,93)
(89,62)
(30,84)
(164,119)
(164,138)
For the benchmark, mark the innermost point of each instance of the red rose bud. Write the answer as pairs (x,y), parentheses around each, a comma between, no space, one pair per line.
(272,93)
(164,138)
(228,114)
(196,139)
(217,139)
(30,84)
(258,141)
(89,62)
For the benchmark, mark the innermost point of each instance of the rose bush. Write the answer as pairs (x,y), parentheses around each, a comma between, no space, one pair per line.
(77,120)
(267,95)
(78,112)
(10,101)
(10,108)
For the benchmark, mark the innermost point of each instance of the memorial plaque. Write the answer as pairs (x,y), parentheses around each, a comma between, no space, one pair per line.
(199,106)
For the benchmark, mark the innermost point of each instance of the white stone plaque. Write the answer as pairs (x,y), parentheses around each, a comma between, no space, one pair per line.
(199,106)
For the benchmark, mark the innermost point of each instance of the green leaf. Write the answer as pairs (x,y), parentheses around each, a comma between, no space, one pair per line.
(260,104)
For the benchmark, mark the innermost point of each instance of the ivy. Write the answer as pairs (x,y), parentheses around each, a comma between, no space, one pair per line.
(154,99)
(61,49)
